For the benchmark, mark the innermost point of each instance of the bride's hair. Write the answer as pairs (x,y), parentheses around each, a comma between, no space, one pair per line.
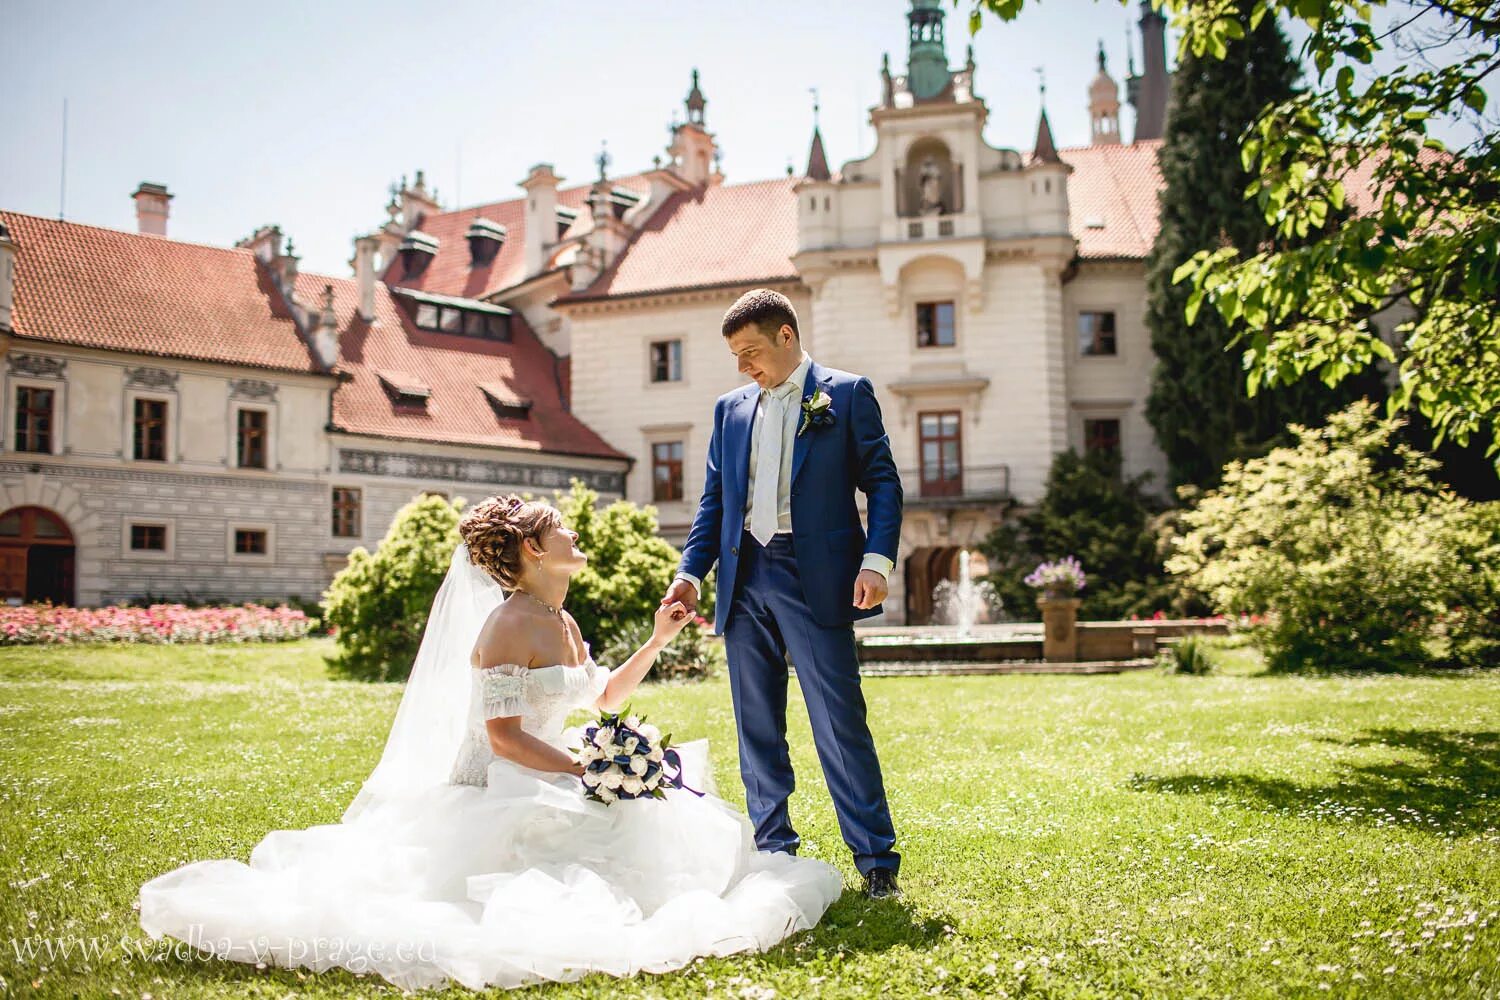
(494,528)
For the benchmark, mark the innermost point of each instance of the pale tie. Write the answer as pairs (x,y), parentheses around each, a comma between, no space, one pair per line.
(763,504)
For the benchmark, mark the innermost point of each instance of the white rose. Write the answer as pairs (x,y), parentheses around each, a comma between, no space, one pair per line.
(653,782)
(612,778)
(588,754)
(631,743)
(633,785)
(605,736)
(633,722)
(650,734)
(591,779)
(607,795)
(638,765)
(656,754)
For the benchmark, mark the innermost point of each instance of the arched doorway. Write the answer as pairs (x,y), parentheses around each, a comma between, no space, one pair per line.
(36,557)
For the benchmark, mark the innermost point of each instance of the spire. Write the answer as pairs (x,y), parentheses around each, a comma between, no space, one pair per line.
(1045,150)
(817,160)
(696,103)
(1148,92)
(1104,105)
(927,56)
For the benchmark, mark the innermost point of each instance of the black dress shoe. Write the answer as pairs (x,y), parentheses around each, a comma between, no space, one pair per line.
(881,884)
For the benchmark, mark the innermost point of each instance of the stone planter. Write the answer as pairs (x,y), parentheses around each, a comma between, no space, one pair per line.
(1059,627)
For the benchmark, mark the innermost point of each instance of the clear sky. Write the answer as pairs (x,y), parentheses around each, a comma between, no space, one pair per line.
(303,113)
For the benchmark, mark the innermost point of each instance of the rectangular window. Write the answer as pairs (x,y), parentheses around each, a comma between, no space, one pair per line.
(148,537)
(666,361)
(1096,334)
(1101,434)
(151,430)
(250,541)
(252,439)
(34,419)
(427,316)
(345,512)
(934,324)
(666,470)
(942,454)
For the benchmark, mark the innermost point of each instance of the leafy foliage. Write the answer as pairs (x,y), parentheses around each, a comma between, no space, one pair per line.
(629,569)
(1350,551)
(693,655)
(1090,511)
(1198,405)
(1428,239)
(379,602)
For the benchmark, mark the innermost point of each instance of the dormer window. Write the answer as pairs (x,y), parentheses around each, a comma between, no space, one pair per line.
(507,404)
(404,388)
(565,219)
(417,251)
(452,315)
(485,240)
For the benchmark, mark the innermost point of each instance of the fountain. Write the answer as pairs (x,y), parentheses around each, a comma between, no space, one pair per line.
(960,603)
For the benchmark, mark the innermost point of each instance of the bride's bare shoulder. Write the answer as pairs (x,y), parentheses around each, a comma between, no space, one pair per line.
(507,636)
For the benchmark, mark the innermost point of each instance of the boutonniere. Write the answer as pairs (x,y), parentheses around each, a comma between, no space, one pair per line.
(817,411)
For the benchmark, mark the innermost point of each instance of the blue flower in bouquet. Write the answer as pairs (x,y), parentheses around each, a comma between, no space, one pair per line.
(1064,575)
(626,757)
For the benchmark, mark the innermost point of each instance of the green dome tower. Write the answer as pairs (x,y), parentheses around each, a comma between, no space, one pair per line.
(927,57)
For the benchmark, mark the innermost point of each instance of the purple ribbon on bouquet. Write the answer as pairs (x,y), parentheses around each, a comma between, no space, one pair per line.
(674,776)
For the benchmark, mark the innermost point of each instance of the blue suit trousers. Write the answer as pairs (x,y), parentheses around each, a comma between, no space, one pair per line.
(768,619)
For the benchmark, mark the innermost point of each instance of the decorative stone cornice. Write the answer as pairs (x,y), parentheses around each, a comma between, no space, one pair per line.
(36,365)
(151,378)
(668,296)
(400,465)
(251,388)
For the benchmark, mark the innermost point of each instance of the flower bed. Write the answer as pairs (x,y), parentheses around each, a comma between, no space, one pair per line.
(43,624)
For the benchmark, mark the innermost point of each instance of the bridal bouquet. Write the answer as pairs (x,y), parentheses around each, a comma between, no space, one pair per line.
(625,757)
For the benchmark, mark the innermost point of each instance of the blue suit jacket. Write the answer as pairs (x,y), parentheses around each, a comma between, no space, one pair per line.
(828,464)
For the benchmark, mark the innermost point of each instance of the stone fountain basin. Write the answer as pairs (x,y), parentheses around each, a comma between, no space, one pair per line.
(1097,641)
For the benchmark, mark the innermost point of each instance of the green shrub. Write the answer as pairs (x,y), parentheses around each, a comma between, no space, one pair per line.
(1110,523)
(1188,655)
(377,606)
(693,655)
(629,567)
(1355,557)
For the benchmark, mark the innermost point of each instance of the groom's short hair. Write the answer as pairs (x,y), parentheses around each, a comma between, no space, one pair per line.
(768,310)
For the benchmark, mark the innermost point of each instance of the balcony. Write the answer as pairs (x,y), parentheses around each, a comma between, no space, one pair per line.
(975,486)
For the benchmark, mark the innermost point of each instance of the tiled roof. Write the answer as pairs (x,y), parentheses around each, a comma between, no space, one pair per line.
(457,371)
(450,272)
(96,287)
(1112,198)
(716,235)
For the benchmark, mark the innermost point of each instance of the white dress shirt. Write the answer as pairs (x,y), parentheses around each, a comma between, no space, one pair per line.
(792,390)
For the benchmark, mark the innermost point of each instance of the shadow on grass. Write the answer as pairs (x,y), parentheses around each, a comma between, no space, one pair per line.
(855,923)
(1440,780)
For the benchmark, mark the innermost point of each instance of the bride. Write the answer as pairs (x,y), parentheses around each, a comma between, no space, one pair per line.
(470,853)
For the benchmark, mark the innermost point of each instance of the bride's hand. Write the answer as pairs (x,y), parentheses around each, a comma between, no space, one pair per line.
(670,619)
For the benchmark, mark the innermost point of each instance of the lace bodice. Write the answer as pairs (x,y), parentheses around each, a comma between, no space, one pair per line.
(541,696)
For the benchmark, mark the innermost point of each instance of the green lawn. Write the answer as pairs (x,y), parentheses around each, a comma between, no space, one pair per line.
(1136,835)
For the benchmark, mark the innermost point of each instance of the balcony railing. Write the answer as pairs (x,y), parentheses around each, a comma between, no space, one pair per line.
(975,484)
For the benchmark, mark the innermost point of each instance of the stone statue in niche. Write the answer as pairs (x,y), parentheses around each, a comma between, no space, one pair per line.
(930,188)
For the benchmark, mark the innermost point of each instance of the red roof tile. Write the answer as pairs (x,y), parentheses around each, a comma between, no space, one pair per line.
(1113,187)
(450,273)
(454,369)
(96,287)
(716,235)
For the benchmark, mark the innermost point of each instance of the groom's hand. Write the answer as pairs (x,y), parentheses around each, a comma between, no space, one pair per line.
(870,589)
(682,591)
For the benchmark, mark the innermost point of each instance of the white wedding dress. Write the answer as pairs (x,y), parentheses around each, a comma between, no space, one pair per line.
(499,874)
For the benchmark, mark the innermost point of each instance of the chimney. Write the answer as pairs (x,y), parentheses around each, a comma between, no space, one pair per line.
(151,208)
(541,216)
(265,243)
(1149,92)
(8,250)
(325,335)
(365,250)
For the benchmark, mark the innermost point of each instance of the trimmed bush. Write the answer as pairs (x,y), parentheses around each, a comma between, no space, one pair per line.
(693,655)
(377,605)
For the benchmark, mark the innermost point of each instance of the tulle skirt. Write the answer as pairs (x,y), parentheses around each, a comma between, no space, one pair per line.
(517,882)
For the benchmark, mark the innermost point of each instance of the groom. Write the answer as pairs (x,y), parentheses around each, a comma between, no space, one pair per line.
(795,571)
